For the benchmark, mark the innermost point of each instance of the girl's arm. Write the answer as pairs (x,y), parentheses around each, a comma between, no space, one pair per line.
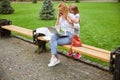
(74,20)
(69,20)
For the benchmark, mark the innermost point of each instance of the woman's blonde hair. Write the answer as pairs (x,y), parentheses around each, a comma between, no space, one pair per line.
(74,8)
(64,9)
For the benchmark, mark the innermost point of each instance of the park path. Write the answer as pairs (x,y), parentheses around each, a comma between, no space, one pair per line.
(18,61)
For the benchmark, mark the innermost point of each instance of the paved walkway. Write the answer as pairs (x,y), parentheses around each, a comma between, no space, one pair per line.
(19,62)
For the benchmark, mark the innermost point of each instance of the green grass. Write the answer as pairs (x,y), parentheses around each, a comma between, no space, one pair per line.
(100,22)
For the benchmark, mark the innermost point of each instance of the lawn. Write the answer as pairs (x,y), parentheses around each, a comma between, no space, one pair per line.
(100,22)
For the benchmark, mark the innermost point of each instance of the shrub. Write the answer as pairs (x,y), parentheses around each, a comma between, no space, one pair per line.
(47,10)
(5,7)
(34,1)
(77,1)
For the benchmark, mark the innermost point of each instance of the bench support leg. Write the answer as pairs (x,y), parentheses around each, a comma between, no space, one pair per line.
(4,32)
(116,75)
(42,45)
(115,64)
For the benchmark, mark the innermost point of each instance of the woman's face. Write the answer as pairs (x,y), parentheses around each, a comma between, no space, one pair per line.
(60,12)
(63,10)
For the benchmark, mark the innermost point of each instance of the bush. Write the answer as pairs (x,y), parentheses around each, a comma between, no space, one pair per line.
(5,7)
(47,10)
(34,1)
(77,1)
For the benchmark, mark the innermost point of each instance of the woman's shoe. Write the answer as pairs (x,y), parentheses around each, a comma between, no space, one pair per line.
(77,56)
(53,62)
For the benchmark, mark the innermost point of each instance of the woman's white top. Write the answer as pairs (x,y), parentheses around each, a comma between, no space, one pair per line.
(64,25)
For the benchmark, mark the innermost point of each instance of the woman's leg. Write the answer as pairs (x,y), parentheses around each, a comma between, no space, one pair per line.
(53,45)
(57,40)
(65,40)
(54,56)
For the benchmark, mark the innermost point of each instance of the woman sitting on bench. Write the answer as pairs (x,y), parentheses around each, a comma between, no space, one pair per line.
(62,24)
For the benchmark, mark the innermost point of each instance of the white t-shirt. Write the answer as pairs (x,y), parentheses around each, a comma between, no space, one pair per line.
(76,25)
(64,25)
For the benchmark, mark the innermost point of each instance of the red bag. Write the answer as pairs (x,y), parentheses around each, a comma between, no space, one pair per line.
(76,41)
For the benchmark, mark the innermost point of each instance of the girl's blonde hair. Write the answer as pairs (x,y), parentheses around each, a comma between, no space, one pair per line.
(64,9)
(74,8)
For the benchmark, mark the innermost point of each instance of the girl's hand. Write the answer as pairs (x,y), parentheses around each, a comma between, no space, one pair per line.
(69,20)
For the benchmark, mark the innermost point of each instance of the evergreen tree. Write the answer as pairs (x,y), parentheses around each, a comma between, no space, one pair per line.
(47,10)
(5,7)
(64,0)
(77,1)
(34,1)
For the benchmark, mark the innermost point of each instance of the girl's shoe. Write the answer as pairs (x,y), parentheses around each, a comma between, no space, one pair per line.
(70,53)
(78,55)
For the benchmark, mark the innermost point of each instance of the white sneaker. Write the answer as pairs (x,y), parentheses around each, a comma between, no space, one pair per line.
(53,62)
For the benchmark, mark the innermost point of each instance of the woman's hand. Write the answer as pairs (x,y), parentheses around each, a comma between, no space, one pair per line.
(58,17)
(59,14)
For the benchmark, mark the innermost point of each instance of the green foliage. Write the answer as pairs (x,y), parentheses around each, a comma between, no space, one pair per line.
(5,7)
(34,1)
(77,1)
(47,10)
(64,0)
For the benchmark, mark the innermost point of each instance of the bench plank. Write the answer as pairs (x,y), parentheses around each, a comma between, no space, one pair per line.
(91,52)
(94,48)
(98,53)
(17,29)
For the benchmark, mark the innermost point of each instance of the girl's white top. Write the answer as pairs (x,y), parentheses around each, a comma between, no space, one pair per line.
(76,25)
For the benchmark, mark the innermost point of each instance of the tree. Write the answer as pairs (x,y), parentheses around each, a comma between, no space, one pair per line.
(5,7)
(34,1)
(47,10)
(77,1)
(64,0)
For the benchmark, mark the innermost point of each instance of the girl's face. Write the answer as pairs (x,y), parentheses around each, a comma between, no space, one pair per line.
(71,11)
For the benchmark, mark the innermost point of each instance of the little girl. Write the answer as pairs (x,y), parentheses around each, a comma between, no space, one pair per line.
(74,19)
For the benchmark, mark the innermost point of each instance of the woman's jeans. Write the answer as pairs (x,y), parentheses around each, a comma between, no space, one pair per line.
(58,40)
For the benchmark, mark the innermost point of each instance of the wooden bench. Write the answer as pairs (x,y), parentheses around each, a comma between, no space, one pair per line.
(91,51)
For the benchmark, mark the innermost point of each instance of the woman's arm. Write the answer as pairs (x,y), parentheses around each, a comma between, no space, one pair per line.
(58,17)
(57,25)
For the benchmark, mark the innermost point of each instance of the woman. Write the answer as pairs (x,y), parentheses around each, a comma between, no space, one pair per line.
(62,24)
